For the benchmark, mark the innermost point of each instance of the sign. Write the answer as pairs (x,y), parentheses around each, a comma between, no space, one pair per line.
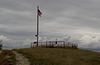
(35,42)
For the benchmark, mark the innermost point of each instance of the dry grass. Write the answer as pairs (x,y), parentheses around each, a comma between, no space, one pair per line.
(7,58)
(60,56)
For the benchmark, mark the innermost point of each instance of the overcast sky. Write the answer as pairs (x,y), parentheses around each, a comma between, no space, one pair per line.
(61,19)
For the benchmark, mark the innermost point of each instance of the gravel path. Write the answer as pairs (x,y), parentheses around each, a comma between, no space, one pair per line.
(21,60)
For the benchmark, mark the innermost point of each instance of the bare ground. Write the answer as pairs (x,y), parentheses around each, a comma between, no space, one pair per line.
(21,60)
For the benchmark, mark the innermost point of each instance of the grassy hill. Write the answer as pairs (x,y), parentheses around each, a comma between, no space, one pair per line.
(60,56)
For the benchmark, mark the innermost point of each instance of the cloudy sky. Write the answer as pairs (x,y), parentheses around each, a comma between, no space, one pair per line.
(69,20)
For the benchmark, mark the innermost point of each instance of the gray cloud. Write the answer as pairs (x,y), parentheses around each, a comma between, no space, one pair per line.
(60,18)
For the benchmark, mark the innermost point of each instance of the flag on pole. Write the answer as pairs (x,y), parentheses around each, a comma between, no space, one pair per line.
(39,13)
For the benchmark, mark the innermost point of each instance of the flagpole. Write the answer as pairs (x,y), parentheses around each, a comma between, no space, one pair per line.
(37,25)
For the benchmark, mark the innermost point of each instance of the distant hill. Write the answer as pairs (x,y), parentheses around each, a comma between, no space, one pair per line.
(60,56)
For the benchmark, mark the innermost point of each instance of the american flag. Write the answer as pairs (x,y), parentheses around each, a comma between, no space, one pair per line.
(39,13)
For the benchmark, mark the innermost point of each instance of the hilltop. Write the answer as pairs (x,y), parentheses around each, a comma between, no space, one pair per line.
(49,56)
(60,56)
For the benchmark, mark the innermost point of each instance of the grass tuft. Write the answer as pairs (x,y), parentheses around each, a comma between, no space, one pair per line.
(7,58)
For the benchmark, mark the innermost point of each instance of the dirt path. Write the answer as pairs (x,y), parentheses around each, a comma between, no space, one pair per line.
(21,60)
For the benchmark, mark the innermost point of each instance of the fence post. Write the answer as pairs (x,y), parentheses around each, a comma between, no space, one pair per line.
(46,43)
(31,45)
(50,43)
(68,43)
(64,43)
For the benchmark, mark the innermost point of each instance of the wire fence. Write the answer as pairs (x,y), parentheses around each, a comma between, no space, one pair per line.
(55,44)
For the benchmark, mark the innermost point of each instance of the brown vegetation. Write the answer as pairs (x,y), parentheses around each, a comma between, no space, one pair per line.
(7,58)
(60,56)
